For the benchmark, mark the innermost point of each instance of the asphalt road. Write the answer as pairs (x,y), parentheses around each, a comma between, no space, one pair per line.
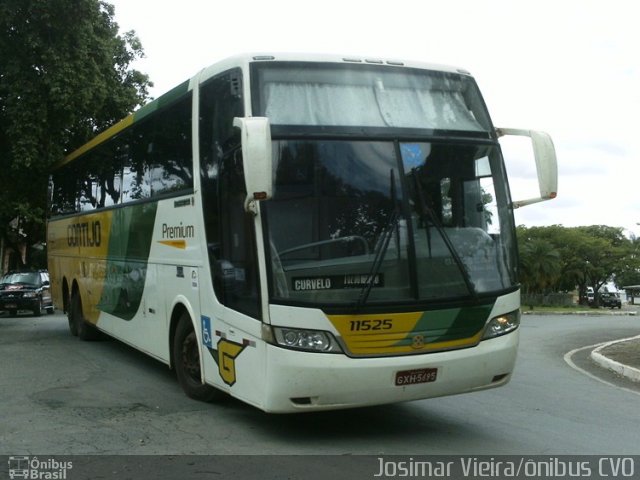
(61,396)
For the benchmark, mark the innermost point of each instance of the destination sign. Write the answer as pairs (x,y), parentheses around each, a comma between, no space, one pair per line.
(336,282)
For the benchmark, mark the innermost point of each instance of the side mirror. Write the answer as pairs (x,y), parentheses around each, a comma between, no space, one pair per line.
(546,164)
(256,159)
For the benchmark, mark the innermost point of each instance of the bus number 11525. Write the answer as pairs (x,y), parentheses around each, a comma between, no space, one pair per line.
(377,324)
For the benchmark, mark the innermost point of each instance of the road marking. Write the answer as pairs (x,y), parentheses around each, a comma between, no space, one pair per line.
(567,358)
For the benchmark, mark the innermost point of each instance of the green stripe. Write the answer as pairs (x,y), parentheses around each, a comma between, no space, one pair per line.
(166,99)
(127,260)
(448,325)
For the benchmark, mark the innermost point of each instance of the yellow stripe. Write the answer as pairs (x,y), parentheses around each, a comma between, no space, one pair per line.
(380,334)
(102,137)
(363,347)
(79,247)
(174,243)
(375,333)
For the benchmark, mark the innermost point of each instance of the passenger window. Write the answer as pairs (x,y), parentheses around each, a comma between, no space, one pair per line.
(134,150)
(171,165)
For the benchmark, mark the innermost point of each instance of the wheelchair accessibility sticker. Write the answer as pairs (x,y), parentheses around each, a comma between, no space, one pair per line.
(206,332)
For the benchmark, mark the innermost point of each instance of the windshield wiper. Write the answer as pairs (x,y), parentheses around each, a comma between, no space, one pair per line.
(377,260)
(426,211)
(383,246)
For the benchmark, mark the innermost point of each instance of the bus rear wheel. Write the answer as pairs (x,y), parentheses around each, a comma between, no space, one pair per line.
(83,329)
(73,327)
(186,361)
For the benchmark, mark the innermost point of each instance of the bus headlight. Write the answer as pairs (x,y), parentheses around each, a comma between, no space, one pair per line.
(303,339)
(502,325)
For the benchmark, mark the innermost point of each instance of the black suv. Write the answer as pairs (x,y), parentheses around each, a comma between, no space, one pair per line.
(610,300)
(25,291)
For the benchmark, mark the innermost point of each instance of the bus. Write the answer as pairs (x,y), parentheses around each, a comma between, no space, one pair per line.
(301,232)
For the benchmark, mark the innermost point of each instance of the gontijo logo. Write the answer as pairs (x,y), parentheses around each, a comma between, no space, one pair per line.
(84,234)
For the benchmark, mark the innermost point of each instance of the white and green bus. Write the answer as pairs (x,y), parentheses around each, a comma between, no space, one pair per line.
(300,232)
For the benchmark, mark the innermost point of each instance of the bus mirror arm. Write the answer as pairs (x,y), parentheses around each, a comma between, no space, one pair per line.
(546,164)
(257,163)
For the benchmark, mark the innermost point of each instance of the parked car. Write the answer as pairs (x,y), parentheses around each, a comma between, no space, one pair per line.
(610,300)
(28,290)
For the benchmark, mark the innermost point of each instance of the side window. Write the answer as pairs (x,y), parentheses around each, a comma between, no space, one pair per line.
(87,193)
(100,179)
(108,172)
(153,157)
(134,151)
(230,231)
(63,185)
(171,166)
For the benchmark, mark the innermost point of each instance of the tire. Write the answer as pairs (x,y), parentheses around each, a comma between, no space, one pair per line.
(186,361)
(73,327)
(84,329)
(13,313)
(38,310)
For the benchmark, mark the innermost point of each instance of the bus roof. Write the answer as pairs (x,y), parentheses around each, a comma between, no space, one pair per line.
(243,61)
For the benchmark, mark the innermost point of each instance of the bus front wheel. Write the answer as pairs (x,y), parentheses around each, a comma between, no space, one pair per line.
(186,361)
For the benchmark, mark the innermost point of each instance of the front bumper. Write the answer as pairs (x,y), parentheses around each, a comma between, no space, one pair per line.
(8,304)
(300,381)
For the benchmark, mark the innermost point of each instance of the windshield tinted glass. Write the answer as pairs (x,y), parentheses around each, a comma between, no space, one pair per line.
(312,94)
(355,221)
(28,278)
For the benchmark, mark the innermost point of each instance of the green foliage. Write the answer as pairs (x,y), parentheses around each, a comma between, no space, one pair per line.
(65,75)
(558,258)
(629,273)
(540,266)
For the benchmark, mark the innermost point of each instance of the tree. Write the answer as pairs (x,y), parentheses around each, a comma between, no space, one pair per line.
(603,249)
(65,74)
(540,265)
(587,256)
(629,273)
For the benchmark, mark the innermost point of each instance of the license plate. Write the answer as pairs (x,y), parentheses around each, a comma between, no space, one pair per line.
(419,375)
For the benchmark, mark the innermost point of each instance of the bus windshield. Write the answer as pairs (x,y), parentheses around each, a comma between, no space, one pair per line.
(358,221)
(359,214)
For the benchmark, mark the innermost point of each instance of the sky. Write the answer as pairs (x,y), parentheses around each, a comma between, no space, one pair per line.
(567,67)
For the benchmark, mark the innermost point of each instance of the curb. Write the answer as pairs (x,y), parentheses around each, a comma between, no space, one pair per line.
(595,313)
(624,370)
